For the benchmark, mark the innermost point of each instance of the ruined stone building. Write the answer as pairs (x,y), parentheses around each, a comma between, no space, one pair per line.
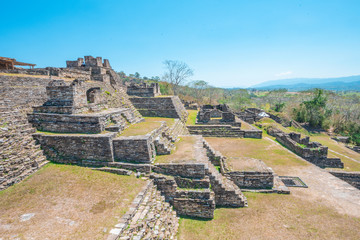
(143,89)
(83,115)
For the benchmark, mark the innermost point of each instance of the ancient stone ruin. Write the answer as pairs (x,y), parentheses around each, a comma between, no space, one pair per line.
(313,152)
(83,115)
(190,105)
(143,89)
(85,121)
(221,121)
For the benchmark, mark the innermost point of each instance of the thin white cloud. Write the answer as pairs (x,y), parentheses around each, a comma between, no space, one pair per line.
(284,74)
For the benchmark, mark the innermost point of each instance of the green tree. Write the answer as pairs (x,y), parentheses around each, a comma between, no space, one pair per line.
(313,111)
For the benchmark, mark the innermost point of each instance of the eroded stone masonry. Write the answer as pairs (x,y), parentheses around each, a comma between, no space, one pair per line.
(221,121)
(82,114)
(313,152)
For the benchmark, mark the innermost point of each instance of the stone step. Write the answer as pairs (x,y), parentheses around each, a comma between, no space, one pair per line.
(144,168)
(154,219)
(114,128)
(114,170)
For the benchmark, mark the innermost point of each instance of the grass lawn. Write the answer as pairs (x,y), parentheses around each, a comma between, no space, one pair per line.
(246,126)
(192,117)
(68,202)
(184,151)
(245,164)
(169,121)
(268,121)
(145,127)
(273,155)
(273,216)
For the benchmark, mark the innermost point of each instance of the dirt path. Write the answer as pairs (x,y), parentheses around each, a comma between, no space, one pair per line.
(324,187)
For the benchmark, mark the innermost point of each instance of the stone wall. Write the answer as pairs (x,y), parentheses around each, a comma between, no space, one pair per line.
(86,123)
(69,73)
(192,182)
(20,156)
(186,170)
(313,152)
(187,202)
(23,91)
(263,178)
(354,148)
(138,149)
(66,123)
(35,71)
(170,107)
(143,90)
(223,131)
(193,206)
(252,179)
(76,147)
(353,178)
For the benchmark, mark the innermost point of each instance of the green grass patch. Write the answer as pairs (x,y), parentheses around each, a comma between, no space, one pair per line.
(192,117)
(273,216)
(91,199)
(141,128)
(184,151)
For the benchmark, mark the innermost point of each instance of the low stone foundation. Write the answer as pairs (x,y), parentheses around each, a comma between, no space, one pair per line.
(354,148)
(252,179)
(223,131)
(313,152)
(262,178)
(186,170)
(353,178)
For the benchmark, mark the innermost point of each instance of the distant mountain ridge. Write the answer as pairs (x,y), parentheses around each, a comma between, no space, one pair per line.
(299,84)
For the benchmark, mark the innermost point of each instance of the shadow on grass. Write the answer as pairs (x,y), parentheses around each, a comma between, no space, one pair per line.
(195,218)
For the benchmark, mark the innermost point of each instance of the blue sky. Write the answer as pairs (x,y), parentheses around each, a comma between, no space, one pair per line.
(227,43)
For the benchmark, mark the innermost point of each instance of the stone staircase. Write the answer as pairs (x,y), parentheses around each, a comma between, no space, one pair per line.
(180,108)
(195,188)
(119,98)
(227,194)
(178,128)
(132,116)
(20,156)
(163,145)
(164,142)
(154,219)
(190,201)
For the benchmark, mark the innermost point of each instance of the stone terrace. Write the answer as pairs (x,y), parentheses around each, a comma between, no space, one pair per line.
(220,121)
(247,173)
(190,168)
(313,152)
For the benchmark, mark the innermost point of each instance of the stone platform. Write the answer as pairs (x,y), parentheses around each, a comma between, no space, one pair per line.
(110,119)
(191,183)
(248,174)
